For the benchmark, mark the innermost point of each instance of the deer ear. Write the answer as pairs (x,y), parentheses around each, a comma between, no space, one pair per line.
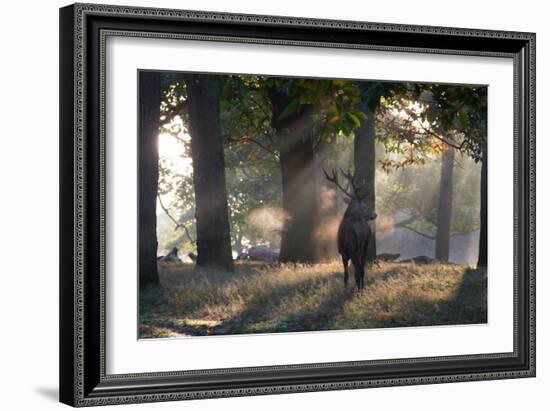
(346,200)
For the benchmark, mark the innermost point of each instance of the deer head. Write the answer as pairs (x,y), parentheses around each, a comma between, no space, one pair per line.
(357,207)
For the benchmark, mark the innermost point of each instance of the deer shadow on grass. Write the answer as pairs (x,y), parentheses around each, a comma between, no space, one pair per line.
(278,309)
(316,304)
(176,278)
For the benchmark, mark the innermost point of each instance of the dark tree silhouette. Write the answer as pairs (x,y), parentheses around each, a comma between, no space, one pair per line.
(364,162)
(149,117)
(212,220)
(364,150)
(300,192)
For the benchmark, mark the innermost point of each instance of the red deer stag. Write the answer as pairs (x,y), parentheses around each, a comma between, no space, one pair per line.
(354,230)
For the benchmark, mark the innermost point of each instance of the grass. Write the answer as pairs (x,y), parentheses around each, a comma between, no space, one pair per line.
(259,298)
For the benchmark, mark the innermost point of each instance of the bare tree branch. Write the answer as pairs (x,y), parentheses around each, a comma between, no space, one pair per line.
(334,179)
(417,120)
(252,97)
(395,225)
(414,230)
(178,225)
(188,235)
(456,233)
(251,140)
(405,224)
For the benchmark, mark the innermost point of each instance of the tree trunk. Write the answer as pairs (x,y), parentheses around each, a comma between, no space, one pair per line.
(149,119)
(211,211)
(365,163)
(483,234)
(300,192)
(445,207)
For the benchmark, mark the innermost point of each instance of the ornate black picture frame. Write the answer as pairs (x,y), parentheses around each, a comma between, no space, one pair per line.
(83,30)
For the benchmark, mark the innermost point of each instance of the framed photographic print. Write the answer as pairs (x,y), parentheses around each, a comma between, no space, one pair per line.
(260,204)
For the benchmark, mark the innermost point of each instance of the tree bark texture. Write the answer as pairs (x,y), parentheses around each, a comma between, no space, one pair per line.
(211,210)
(445,207)
(300,191)
(149,119)
(365,163)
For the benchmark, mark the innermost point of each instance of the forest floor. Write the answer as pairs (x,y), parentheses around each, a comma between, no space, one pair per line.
(260,298)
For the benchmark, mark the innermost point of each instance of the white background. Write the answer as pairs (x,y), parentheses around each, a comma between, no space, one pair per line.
(29,210)
(125,354)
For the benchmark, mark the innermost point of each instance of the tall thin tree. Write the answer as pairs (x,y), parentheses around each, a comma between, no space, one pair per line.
(364,150)
(364,162)
(445,207)
(149,119)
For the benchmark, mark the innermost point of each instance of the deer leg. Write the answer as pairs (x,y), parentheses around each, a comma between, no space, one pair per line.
(358,274)
(345,261)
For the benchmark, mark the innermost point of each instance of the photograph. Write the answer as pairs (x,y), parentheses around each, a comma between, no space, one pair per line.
(271,204)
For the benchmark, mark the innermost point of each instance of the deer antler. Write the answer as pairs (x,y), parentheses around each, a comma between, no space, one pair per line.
(349,177)
(334,179)
(356,190)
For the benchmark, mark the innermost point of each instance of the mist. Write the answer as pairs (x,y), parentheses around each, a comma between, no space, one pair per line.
(398,193)
(407,188)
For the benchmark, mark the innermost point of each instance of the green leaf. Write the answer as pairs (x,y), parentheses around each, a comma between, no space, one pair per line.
(464,119)
(354,118)
(334,119)
(291,108)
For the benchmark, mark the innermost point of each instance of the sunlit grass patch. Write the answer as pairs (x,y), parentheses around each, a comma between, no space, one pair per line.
(261,298)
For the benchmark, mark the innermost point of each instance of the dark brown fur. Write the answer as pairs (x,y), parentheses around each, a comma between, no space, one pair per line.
(354,230)
(353,235)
